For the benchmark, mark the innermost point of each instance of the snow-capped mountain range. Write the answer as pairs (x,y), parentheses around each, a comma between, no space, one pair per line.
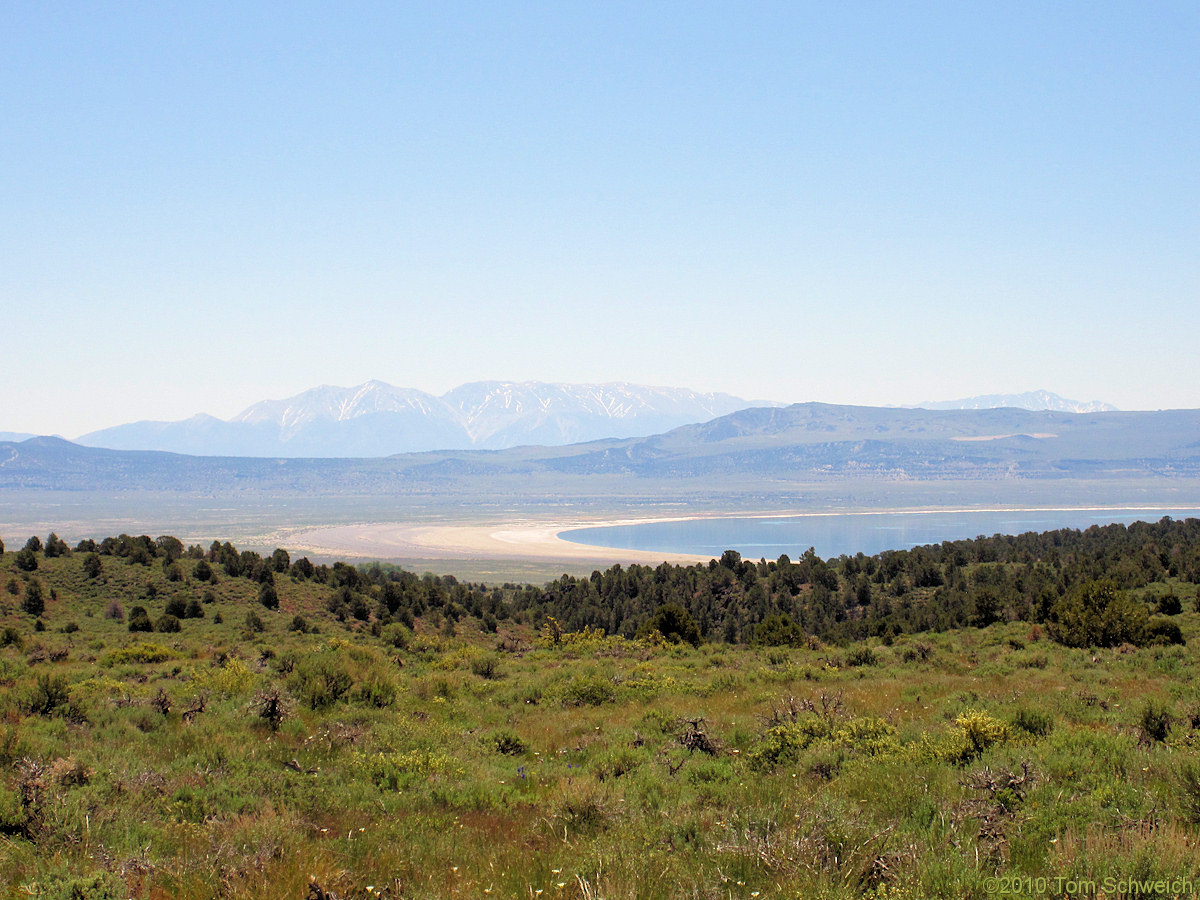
(1032,400)
(379,419)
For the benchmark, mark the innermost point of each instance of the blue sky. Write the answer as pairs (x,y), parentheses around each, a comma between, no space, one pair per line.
(207,204)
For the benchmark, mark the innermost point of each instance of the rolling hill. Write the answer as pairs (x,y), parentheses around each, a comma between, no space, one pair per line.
(803,442)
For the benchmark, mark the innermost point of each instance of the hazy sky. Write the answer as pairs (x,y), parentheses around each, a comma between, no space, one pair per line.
(206,204)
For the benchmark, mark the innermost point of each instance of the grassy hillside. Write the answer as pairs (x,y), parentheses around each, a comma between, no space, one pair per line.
(314,751)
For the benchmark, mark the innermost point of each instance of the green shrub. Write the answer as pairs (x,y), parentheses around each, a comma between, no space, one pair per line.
(916,652)
(167,624)
(139,620)
(141,652)
(709,770)
(341,672)
(778,630)
(101,886)
(321,680)
(674,623)
(506,742)
(863,736)
(486,666)
(49,694)
(868,735)
(979,731)
(1034,722)
(656,720)
(396,635)
(1155,720)
(974,732)
(616,762)
(582,809)
(588,690)
(862,656)
(34,601)
(231,678)
(1098,615)
(396,771)
(26,560)
(1161,632)
(375,688)
(1170,605)
(267,596)
(13,815)
(782,744)
(1187,782)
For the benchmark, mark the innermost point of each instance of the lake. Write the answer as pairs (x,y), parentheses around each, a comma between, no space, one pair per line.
(834,534)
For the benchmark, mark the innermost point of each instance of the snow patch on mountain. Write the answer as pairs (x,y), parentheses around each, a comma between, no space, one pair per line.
(1031,400)
(379,419)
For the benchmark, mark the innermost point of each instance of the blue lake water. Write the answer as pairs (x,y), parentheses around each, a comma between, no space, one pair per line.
(835,534)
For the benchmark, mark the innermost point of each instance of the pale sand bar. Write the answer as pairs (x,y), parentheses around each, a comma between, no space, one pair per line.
(535,541)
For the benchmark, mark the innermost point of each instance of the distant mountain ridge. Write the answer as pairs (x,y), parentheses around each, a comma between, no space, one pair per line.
(756,452)
(378,419)
(1031,400)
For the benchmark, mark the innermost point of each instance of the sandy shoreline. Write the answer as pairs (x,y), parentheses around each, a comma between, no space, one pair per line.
(538,540)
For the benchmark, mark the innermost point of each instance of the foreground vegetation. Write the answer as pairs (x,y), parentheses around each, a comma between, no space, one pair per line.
(203,722)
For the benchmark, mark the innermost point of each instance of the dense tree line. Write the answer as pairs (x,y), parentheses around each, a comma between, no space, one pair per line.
(1047,577)
(376,593)
(950,585)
